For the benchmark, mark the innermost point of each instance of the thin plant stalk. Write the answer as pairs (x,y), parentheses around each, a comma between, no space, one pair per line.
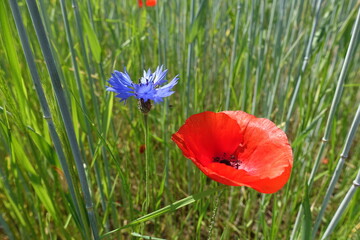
(86,60)
(189,60)
(336,175)
(259,68)
(277,56)
(250,44)
(342,207)
(45,107)
(82,99)
(304,64)
(212,221)
(339,89)
(95,103)
(188,76)
(296,92)
(233,55)
(147,188)
(161,19)
(333,108)
(60,97)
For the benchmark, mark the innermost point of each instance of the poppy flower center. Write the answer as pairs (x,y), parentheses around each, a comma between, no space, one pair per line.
(231,159)
(228,159)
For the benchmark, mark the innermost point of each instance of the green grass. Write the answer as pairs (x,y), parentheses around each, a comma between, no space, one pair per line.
(257,56)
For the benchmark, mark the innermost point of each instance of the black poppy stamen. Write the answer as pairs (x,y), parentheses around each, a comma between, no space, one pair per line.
(228,160)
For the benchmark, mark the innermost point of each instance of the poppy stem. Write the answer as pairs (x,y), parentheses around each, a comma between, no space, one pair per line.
(214,213)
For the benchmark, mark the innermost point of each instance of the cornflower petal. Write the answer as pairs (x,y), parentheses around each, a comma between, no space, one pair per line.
(147,89)
(159,76)
(124,78)
(144,91)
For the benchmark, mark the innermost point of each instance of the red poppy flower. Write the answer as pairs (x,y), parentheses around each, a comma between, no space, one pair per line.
(237,149)
(148,3)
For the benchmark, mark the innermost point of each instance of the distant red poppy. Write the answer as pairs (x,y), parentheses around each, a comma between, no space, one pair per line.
(325,160)
(148,3)
(142,148)
(237,149)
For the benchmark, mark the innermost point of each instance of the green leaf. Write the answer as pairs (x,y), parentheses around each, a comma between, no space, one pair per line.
(169,208)
(307,223)
(145,237)
(92,38)
(196,28)
(35,179)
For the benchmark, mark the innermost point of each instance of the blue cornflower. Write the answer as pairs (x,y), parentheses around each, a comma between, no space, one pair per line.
(147,89)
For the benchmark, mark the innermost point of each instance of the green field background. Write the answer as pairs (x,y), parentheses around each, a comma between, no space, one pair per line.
(296,63)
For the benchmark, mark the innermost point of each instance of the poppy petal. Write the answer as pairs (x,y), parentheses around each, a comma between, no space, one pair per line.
(265,144)
(200,136)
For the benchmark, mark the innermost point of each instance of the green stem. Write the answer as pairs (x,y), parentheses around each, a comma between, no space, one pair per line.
(233,55)
(339,89)
(92,92)
(214,213)
(260,67)
(342,207)
(333,108)
(147,189)
(336,175)
(45,107)
(188,79)
(277,56)
(304,64)
(60,97)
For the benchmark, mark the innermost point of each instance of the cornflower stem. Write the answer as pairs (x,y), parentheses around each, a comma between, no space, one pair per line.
(214,213)
(147,189)
(336,175)
(65,113)
(342,207)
